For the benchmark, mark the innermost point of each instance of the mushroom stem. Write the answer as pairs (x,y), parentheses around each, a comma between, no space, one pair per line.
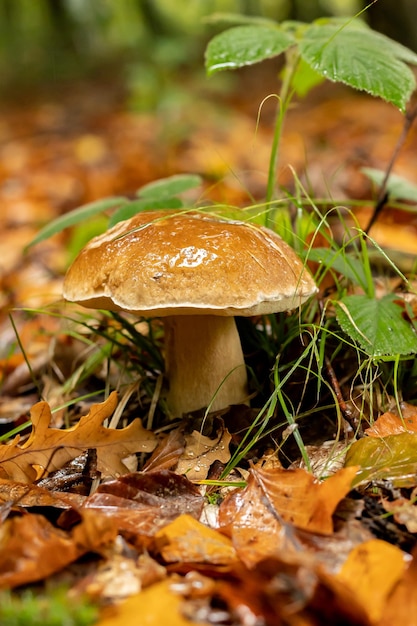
(203,356)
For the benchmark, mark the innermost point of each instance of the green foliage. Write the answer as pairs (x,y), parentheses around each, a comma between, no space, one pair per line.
(397,187)
(161,194)
(341,51)
(55,609)
(376,325)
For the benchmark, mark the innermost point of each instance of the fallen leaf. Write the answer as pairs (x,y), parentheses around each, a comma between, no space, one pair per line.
(391,458)
(391,423)
(401,606)
(48,449)
(143,502)
(201,452)
(155,606)
(261,518)
(31,548)
(188,540)
(404,512)
(371,571)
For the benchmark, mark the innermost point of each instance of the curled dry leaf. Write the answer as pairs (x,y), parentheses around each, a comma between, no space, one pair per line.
(31,548)
(48,449)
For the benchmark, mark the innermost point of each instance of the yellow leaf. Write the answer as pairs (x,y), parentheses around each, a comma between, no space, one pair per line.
(371,571)
(186,539)
(155,606)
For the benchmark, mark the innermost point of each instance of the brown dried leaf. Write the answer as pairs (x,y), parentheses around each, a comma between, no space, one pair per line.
(201,452)
(48,449)
(260,517)
(31,548)
(188,540)
(25,495)
(141,503)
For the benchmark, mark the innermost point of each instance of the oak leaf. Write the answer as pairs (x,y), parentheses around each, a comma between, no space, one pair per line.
(48,449)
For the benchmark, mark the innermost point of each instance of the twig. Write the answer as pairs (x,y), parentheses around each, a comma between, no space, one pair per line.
(383,194)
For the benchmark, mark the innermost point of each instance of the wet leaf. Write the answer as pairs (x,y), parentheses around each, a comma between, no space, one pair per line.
(377,325)
(48,449)
(201,452)
(391,458)
(260,517)
(142,503)
(245,45)
(366,60)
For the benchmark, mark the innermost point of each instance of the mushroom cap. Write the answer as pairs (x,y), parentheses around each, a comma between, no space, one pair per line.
(161,263)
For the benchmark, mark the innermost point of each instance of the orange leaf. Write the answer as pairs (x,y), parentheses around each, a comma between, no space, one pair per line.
(186,539)
(274,498)
(48,449)
(371,571)
(31,548)
(392,424)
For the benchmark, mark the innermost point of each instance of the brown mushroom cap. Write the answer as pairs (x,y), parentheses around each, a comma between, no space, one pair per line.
(162,263)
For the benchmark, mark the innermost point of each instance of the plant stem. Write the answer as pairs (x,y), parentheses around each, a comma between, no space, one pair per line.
(284,99)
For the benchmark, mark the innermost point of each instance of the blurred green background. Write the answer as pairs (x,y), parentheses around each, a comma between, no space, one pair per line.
(146,43)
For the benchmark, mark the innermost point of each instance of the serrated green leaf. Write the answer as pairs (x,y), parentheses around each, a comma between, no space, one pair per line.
(137,206)
(392,458)
(398,188)
(377,325)
(362,59)
(76,217)
(340,262)
(170,186)
(245,45)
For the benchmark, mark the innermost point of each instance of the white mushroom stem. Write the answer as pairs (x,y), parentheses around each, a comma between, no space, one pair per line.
(204,363)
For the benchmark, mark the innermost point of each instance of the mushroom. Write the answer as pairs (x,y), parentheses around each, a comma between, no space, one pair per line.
(197,271)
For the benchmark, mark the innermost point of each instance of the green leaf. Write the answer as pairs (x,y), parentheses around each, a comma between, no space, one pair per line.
(398,188)
(361,58)
(76,217)
(392,458)
(168,187)
(376,325)
(341,262)
(137,206)
(245,45)
(237,18)
(305,78)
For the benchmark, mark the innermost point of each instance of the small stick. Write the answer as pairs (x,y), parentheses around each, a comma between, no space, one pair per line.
(383,194)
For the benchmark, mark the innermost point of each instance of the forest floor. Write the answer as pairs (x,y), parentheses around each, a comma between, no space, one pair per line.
(63,150)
